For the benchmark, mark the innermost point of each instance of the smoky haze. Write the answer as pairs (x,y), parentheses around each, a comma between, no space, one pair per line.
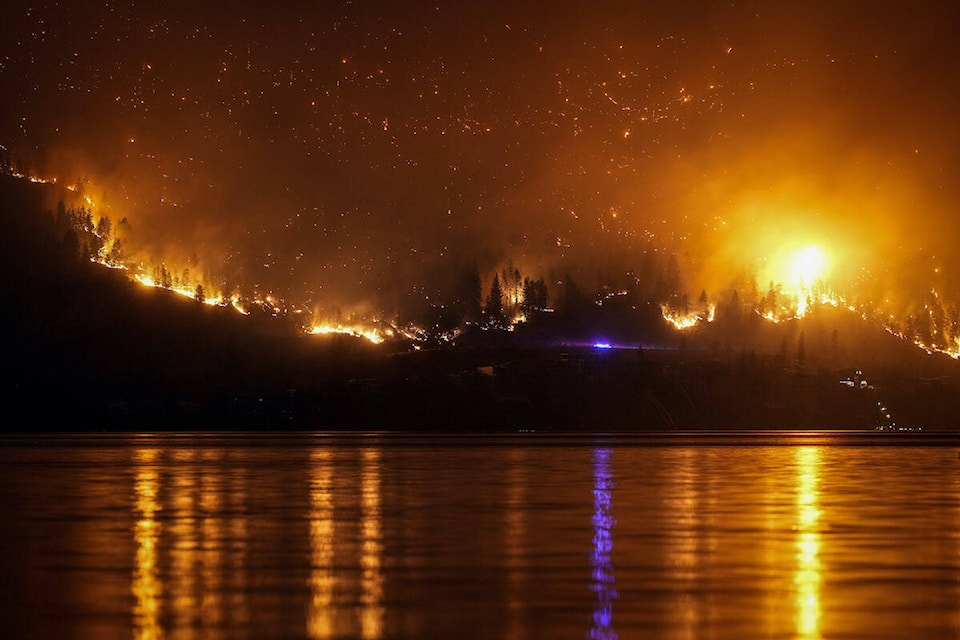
(359,155)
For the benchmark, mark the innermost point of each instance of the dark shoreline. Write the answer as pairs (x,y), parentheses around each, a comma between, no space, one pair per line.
(387,439)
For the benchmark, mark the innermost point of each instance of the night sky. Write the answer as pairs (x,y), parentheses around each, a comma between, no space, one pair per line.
(357,153)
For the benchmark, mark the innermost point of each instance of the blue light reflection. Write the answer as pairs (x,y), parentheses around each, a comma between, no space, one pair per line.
(601,562)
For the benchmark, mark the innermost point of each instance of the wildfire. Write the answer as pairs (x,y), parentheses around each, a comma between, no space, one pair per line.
(237,304)
(806,266)
(520,318)
(797,281)
(797,274)
(186,292)
(952,349)
(32,178)
(145,280)
(371,334)
(681,321)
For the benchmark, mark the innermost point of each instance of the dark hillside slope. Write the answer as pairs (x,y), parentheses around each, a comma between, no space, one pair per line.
(88,348)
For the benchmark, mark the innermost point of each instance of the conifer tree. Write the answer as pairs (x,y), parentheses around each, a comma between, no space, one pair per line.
(494,306)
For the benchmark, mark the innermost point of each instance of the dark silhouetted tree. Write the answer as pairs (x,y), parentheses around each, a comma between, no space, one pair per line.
(534,296)
(61,220)
(115,255)
(494,306)
(574,301)
(71,244)
(469,295)
(730,316)
(104,228)
(771,301)
(166,281)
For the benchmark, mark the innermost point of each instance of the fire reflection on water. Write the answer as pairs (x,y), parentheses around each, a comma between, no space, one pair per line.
(325,612)
(515,529)
(180,585)
(808,578)
(183,587)
(212,555)
(147,587)
(342,541)
(371,621)
(686,544)
(196,552)
(320,621)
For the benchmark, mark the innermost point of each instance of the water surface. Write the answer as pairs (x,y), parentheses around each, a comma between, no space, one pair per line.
(318,536)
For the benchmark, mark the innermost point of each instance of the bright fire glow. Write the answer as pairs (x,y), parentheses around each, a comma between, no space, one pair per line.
(795,269)
(808,578)
(681,321)
(145,280)
(807,266)
(373,335)
(34,179)
(797,274)
(186,292)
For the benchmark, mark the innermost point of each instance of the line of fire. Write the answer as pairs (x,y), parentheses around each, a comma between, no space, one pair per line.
(802,330)
(799,280)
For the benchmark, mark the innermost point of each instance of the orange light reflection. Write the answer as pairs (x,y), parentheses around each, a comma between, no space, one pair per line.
(808,576)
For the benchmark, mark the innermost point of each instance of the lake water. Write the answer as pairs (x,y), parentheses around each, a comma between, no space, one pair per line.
(319,536)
